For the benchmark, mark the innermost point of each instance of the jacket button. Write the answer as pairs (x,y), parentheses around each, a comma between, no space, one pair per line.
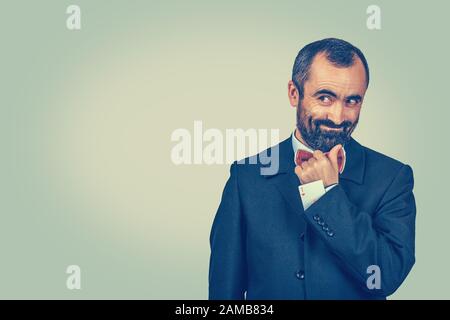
(300,275)
(325,228)
(320,222)
(316,217)
(330,233)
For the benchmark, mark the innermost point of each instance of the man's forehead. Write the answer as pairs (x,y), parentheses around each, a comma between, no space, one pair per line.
(323,74)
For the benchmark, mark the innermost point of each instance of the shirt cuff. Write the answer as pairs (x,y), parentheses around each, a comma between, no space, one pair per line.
(330,187)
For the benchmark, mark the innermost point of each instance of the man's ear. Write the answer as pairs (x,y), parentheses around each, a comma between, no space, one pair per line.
(293,94)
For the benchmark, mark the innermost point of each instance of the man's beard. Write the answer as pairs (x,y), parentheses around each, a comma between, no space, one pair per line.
(319,139)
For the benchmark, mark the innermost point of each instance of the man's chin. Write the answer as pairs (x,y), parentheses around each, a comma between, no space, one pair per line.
(327,143)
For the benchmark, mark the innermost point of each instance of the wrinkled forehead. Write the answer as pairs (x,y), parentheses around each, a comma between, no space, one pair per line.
(344,80)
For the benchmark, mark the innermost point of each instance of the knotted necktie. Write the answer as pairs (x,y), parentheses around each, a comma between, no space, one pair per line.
(303,155)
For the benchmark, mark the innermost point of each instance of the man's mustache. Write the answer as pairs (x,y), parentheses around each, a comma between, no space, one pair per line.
(328,123)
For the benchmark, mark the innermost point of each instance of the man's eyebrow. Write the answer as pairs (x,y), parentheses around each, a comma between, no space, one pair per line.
(354,96)
(325,91)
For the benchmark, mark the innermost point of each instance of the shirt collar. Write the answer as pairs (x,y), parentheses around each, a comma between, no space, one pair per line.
(298,145)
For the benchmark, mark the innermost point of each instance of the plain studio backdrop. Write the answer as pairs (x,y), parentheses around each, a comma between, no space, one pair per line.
(87,116)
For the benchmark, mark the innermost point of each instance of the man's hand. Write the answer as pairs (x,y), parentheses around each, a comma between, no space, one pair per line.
(320,167)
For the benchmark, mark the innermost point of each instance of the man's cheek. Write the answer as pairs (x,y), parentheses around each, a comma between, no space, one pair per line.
(319,113)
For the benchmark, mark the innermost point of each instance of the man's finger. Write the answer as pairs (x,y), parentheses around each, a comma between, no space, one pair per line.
(319,155)
(305,164)
(299,172)
(333,156)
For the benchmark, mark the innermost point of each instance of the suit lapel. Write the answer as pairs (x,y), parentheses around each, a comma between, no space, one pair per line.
(285,179)
(355,162)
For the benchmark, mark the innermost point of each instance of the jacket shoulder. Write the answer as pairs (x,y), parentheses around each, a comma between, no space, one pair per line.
(378,163)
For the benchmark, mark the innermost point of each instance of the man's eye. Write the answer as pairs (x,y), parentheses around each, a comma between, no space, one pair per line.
(352,102)
(325,99)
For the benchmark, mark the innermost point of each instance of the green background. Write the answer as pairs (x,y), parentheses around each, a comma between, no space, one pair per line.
(86,117)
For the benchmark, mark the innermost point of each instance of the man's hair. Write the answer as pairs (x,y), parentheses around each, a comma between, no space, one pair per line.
(339,52)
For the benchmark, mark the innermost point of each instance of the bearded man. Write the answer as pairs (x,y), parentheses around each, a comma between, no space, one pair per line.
(337,220)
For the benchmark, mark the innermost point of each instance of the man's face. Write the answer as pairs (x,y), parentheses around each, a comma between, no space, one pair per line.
(329,110)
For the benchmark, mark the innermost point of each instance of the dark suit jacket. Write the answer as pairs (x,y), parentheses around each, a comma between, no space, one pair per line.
(264,245)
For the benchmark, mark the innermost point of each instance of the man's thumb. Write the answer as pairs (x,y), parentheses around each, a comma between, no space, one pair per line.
(333,156)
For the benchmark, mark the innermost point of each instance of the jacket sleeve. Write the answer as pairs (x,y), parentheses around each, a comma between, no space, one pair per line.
(385,239)
(227,267)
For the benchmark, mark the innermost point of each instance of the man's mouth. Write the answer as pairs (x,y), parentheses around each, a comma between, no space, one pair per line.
(332,128)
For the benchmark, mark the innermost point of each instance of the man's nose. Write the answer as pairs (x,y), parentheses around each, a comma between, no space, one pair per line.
(336,113)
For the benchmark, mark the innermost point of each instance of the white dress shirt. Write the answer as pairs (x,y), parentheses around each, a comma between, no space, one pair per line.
(311,192)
